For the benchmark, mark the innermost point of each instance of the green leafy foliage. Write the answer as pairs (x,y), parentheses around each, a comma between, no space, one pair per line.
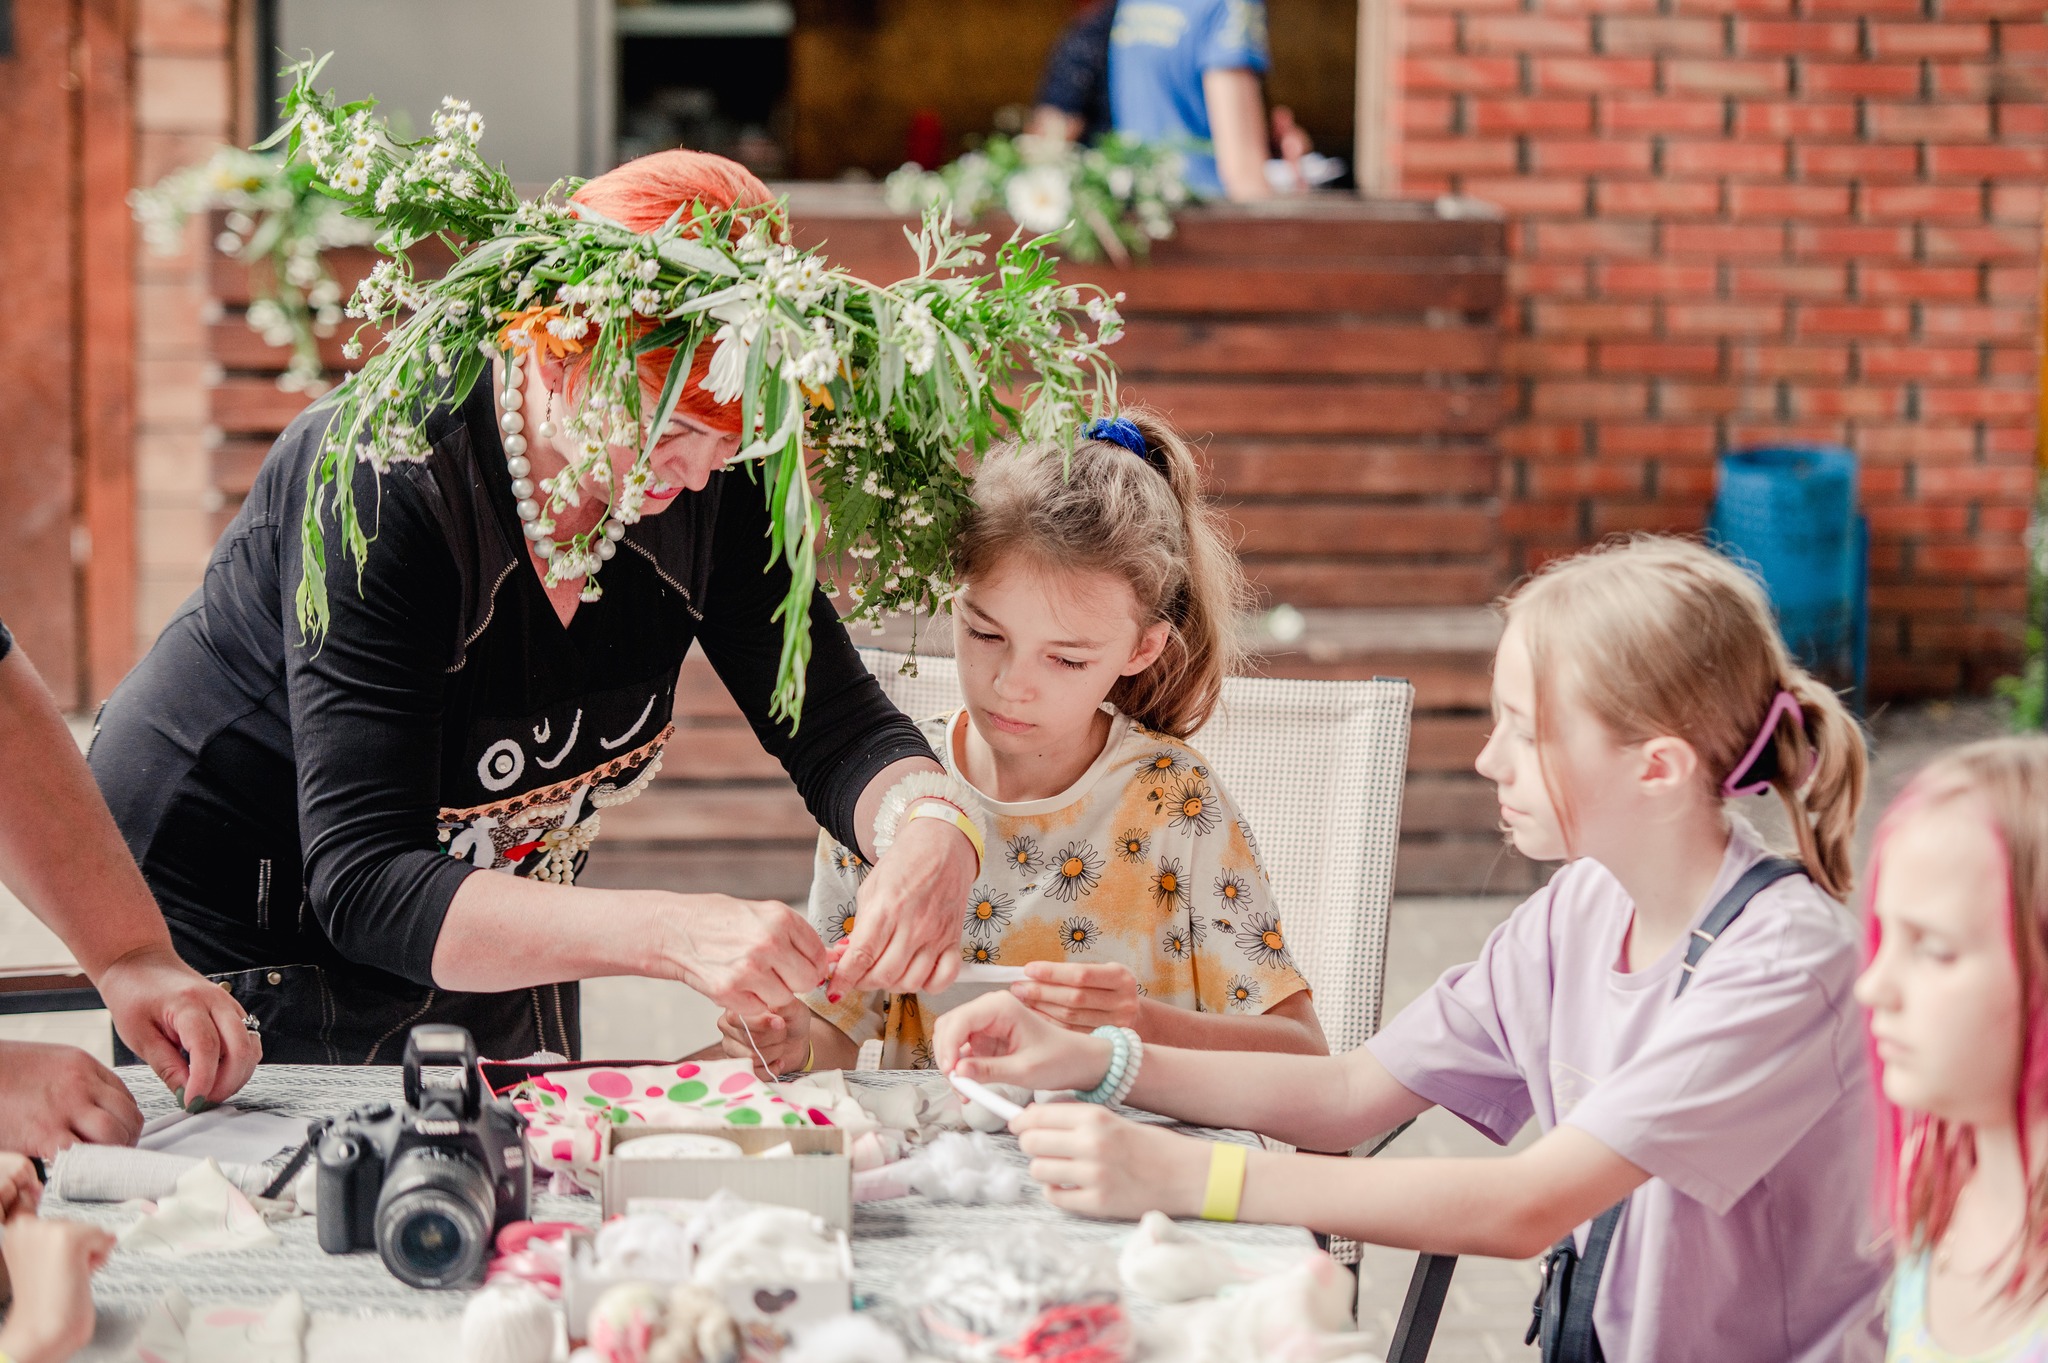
(872,393)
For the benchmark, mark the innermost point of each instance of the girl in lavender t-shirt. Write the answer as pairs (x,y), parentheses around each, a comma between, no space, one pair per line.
(1635,686)
(1958,994)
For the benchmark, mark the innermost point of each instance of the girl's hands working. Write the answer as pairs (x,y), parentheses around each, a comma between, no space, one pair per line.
(51,1264)
(1096,1163)
(998,1040)
(20,1189)
(782,1038)
(1079,995)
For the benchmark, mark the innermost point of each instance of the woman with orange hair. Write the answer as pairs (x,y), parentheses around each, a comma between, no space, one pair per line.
(315,809)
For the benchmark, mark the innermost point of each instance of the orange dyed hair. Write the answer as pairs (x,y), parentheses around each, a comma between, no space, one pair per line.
(642,195)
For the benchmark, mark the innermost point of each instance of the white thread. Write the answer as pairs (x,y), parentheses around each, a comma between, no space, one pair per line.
(766,1068)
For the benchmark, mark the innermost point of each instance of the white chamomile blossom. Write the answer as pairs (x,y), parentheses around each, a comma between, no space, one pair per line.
(646,302)
(1040,199)
(648,270)
(920,336)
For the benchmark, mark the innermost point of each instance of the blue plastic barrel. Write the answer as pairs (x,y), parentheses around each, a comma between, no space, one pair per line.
(1788,513)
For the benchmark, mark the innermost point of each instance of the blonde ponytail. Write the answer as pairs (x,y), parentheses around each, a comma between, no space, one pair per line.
(1144,518)
(1659,636)
(1822,809)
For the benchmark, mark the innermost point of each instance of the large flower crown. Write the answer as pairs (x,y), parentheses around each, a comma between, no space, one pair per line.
(886,387)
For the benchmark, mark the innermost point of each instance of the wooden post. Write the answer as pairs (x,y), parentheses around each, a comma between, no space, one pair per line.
(1377,119)
(39,83)
(106,344)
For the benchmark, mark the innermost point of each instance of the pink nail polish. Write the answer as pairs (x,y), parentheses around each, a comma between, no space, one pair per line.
(832,998)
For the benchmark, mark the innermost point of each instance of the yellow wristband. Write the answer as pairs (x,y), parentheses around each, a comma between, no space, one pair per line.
(810,1057)
(931,807)
(1226,1182)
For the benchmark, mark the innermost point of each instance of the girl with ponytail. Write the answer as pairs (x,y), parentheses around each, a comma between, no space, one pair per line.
(1097,617)
(1673,1009)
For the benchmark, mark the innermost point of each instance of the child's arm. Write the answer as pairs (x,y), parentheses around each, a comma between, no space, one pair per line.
(1098,1164)
(1316,1102)
(51,1264)
(1087,995)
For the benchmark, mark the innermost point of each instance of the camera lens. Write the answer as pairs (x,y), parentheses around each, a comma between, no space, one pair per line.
(434,1218)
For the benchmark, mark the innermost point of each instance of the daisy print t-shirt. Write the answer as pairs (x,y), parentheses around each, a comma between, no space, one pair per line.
(1143,862)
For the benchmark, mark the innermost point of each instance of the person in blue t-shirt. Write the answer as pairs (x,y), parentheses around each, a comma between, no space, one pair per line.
(1189,71)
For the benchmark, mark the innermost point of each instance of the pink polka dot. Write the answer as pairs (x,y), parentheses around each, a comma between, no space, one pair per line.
(774,1097)
(818,1118)
(733,1082)
(564,1151)
(656,1092)
(609,1083)
(686,1071)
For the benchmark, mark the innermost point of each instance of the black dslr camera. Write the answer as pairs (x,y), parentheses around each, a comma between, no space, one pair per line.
(428,1184)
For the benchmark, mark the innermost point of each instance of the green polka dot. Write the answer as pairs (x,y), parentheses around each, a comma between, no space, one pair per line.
(620,1116)
(688,1092)
(743,1116)
(594,1100)
(546,1101)
(790,1119)
(715,1102)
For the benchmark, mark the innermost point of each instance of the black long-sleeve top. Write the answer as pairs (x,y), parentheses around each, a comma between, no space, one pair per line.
(305,811)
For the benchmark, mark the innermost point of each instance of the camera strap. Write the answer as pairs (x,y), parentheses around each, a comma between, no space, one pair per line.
(1561,1318)
(291,1169)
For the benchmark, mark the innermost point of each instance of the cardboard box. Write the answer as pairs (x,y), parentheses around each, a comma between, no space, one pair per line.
(775,1311)
(817,1177)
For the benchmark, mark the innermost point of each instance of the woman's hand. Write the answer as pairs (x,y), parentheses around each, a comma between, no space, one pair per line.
(906,936)
(184,1027)
(55,1096)
(51,1264)
(1096,1163)
(752,956)
(1079,995)
(782,1037)
(997,1040)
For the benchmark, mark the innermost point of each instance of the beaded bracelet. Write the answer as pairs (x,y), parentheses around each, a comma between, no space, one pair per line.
(1126,1055)
(929,785)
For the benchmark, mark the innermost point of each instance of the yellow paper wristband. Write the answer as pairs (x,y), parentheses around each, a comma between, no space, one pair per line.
(1226,1182)
(931,807)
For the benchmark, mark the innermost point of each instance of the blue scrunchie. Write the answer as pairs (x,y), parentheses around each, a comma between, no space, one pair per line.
(1123,431)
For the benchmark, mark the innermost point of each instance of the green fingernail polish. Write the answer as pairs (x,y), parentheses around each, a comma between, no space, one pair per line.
(199,1105)
(178,1096)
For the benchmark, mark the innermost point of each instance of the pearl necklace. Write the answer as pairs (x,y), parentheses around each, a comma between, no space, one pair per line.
(539,532)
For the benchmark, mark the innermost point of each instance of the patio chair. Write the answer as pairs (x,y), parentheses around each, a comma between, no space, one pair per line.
(1317,767)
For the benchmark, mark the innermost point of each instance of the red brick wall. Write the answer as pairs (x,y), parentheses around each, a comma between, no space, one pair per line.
(1747,220)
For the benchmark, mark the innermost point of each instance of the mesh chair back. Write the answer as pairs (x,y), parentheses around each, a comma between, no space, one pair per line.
(1317,768)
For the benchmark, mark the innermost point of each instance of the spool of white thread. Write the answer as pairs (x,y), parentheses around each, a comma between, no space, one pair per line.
(508,1323)
(678,1145)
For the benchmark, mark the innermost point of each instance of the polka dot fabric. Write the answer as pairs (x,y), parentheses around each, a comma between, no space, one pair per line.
(570,1111)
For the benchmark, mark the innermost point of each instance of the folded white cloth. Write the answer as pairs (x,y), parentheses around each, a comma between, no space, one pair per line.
(174,1331)
(205,1213)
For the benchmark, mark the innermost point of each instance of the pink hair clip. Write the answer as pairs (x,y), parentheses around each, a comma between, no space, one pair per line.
(1784,703)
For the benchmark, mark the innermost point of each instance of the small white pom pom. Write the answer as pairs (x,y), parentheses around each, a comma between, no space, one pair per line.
(508,1323)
